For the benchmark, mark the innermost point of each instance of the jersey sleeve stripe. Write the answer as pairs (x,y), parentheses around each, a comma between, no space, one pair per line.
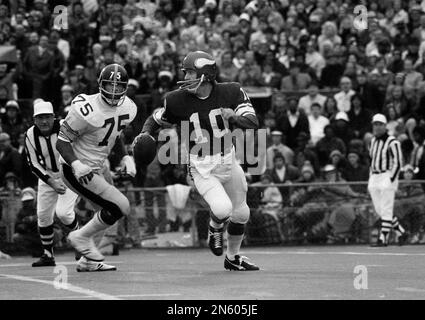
(67,133)
(242,105)
(242,110)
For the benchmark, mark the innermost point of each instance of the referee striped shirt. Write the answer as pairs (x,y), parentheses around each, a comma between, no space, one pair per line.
(385,153)
(42,155)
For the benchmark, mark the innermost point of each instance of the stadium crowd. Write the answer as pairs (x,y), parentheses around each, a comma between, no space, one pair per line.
(328,78)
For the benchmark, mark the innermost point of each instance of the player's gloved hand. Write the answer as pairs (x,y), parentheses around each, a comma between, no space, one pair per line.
(57,185)
(82,172)
(228,113)
(129,165)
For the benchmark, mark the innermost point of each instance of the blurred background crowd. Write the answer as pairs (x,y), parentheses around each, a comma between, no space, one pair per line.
(326,78)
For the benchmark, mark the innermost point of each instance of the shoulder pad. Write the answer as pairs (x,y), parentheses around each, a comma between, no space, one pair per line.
(88,108)
(130,107)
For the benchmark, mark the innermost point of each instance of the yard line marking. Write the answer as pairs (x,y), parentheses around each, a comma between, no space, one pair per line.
(339,253)
(70,287)
(65,263)
(118,296)
(409,289)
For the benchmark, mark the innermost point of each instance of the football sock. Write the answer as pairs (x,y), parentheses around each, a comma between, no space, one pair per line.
(235,233)
(386,226)
(46,236)
(397,226)
(93,226)
(216,225)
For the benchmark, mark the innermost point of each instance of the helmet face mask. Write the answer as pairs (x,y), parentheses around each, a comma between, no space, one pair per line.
(113,83)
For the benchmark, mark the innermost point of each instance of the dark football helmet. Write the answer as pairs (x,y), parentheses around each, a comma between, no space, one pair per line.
(205,67)
(113,83)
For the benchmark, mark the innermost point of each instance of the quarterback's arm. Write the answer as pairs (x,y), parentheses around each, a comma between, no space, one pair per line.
(248,121)
(161,117)
(243,116)
(395,150)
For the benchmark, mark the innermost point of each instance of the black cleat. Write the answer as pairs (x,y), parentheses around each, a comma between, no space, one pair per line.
(215,240)
(402,239)
(45,261)
(379,243)
(239,264)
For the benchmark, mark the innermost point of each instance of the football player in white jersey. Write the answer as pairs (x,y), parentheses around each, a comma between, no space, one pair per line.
(86,137)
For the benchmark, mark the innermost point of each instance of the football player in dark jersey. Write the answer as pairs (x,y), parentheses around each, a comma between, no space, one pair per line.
(211,111)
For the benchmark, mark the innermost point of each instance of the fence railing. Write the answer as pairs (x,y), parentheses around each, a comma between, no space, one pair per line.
(295,213)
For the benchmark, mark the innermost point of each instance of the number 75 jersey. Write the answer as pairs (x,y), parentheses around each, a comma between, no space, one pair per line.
(92,126)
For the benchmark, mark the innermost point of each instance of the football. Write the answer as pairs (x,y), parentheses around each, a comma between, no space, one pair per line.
(144,150)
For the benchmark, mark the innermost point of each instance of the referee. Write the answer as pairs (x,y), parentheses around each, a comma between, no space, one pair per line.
(386,162)
(43,158)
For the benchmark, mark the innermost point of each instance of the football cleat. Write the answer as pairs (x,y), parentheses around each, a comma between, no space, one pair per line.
(215,240)
(239,264)
(85,246)
(85,265)
(45,261)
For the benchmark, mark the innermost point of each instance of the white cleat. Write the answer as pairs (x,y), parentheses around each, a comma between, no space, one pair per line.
(85,246)
(85,265)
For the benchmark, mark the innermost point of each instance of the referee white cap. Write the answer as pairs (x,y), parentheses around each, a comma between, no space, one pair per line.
(43,107)
(379,117)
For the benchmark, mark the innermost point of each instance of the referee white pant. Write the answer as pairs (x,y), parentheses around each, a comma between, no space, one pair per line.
(49,202)
(382,192)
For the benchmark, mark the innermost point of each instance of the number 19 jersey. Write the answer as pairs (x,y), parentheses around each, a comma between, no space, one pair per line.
(92,126)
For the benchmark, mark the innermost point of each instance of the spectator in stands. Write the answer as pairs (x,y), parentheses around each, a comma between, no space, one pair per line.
(343,98)
(355,171)
(311,98)
(10,159)
(305,153)
(328,143)
(342,127)
(317,122)
(10,202)
(412,80)
(293,123)
(269,78)
(7,79)
(359,117)
(370,94)
(314,59)
(227,70)
(271,201)
(283,173)
(12,122)
(278,147)
(26,237)
(67,94)
(332,72)
(295,80)
(38,66)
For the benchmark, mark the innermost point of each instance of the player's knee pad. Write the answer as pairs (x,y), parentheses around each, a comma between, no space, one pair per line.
(115,211)
(221,210)
(240,214)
